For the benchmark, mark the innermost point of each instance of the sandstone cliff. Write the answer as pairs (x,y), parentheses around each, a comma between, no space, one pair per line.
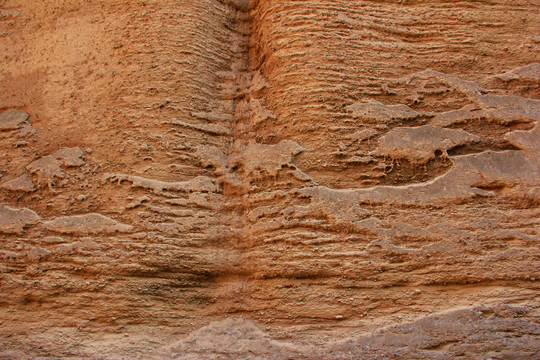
(271,179)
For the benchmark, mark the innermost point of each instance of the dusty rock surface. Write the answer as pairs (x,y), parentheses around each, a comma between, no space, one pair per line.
(277,179)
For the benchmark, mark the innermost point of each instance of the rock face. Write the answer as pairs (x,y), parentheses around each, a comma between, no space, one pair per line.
(278,179)
(12,119)
(22,183)
(86,224)
(15,220)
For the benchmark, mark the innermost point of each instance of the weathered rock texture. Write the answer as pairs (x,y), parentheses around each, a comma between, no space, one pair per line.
(271,179)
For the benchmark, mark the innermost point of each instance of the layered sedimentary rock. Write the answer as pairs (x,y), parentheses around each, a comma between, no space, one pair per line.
(269,179)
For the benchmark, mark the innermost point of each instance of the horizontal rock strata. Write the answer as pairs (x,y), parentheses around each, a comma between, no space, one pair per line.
(230,179)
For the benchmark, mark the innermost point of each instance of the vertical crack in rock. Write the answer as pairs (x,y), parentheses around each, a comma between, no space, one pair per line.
(247,167)
(239,104)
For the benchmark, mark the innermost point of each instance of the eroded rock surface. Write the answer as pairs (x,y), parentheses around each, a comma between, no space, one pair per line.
(49,168)
(232,339)
(506,332)
(420,144)
(86,224)
(218,179)
(12,119)
(15,220)
(21,183)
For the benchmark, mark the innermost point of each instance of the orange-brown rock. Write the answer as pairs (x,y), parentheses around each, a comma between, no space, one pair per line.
(269,179)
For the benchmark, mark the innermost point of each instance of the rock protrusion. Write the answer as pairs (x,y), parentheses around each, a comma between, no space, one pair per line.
(13,119)
(87,224)
(420,144)
(234,337)
(197,184)
(13,221)
(22,183)
(49,168)
(376,111)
